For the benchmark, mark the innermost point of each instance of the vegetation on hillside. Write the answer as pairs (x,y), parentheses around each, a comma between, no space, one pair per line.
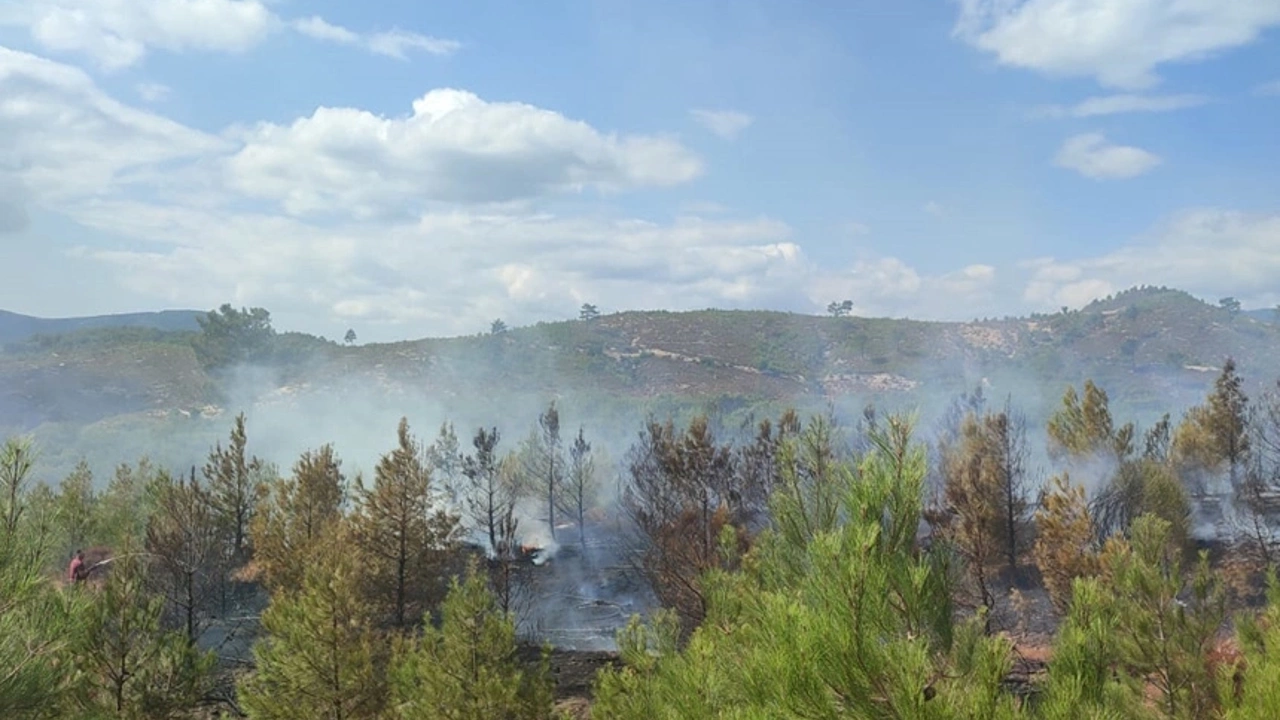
(807,570)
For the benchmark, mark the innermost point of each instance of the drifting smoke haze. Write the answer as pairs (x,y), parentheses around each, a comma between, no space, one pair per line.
(353,398)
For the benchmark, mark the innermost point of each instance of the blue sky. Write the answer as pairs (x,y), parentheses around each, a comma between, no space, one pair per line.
(410,169)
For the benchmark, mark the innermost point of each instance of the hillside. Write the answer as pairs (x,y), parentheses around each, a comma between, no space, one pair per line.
(1154,350)
(17,328)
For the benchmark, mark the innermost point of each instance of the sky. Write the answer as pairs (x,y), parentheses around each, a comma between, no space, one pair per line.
(408,169)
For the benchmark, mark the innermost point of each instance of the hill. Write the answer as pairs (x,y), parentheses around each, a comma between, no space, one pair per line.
(1154,350)
(17,328)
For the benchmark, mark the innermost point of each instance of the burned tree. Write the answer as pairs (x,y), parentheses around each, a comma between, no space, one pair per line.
(490,501)
(582,483)
(986,496)
(545,464)
(446,462)
(487,496)
(184,543)
(679,500)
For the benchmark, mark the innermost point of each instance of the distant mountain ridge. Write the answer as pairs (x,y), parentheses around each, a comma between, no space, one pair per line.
(114,386)
(17,328)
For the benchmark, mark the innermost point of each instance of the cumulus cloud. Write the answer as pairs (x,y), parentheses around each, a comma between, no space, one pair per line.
(1093,157)
(117,34)
(1118,42)
(1124,103)
(1210,252)
(727,124)
(391,43)
(449,272)
(71,139)
(454,147)
(187,226)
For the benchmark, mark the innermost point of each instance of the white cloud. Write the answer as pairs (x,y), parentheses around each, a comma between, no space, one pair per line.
(117,34)
(1268,89)
(454,147)
(728,124)
(392,43)
(153,92)
(71,140)
(1209,252)
(934,208)
(1093,157)
(1126,103)
(1118,42)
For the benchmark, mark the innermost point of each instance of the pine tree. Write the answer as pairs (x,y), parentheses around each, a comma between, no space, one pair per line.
(321,657)
(582,483)
(17,458)
(680,498)
(546,465)
(404,538)
(38,623)
(1083,428)
(487,496)
(468,668)
(1258,696)
(1213,438)
(854,622)
(77,507)
(1064,549)
(295,513)
(130,666)
(1170,621)
(236,483)
(446,462)
(185,544)
(126,504)
(985,492)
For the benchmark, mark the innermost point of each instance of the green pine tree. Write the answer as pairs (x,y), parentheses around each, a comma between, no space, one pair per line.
(468,668)
(128,665)
(321,657)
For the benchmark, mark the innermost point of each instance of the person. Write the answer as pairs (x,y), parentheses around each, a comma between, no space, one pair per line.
(76,572)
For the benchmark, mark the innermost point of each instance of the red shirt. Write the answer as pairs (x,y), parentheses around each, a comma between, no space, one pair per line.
(74,571)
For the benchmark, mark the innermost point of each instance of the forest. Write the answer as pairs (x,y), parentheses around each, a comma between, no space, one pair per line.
(812,569)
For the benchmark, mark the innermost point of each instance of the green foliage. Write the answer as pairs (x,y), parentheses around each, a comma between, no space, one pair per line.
(321,656)
(127,503)
(1143,487)
(468,669)
(37,625)
(17,457)
(295,514)
(77,508)
(127,666)
(237,482)
(1214,436)
(229,337)
(855,623)
(1082,678)
(1170,620)
(1083,428)
(1257,697)
(402,536)
(1064,548)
